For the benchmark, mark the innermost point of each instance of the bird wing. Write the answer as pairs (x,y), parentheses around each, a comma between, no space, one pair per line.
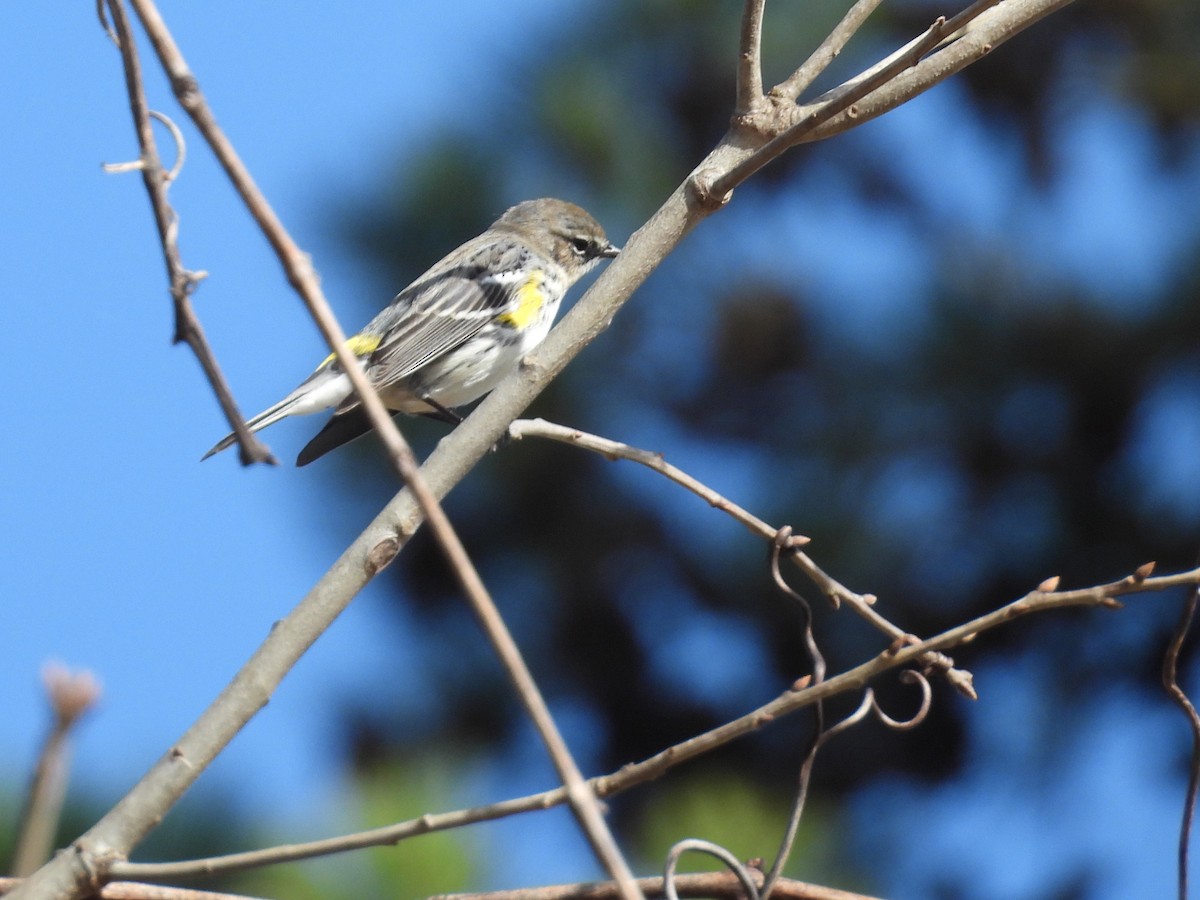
(432,317)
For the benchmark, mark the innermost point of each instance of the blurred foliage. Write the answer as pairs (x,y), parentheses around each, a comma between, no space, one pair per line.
(745,818)
(1003,418)
(381,794)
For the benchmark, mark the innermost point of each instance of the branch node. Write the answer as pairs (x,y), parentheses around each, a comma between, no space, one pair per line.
(71,694)
(701,189)
(186,88)
(380,555)
(904,640)
(1144,571)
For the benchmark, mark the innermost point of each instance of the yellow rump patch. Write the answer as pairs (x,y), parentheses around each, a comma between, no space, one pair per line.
(360,345)
(530,298)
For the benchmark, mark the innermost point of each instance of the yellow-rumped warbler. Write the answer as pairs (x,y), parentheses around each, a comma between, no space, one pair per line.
(454,333)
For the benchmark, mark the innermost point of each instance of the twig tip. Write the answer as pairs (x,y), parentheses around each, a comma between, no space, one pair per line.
(71,694)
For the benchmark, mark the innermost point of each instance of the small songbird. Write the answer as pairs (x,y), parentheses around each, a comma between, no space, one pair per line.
(454,333)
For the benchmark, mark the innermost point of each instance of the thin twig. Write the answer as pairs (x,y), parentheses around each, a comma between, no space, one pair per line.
(827,52)
(863,604)
(749,67)
(993,22)
(70,695)
(633,774)
(102,15)
(840,99)
(182,281)
(1171,683)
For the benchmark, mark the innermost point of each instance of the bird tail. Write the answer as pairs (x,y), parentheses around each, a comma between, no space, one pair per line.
(341,429)
(267,417)
(323,389)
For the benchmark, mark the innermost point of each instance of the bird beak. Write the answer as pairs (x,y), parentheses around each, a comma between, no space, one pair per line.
(610,250)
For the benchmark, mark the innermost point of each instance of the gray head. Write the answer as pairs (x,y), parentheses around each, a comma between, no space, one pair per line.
(561,229)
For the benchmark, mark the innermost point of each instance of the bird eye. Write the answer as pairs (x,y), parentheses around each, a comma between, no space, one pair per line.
(581,245)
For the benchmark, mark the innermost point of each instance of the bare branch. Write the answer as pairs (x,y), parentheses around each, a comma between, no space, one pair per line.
(991,24)
(883,87)
(825,54)
(182,281)
(70,695)
(841,99)
(863,604)
(749,68)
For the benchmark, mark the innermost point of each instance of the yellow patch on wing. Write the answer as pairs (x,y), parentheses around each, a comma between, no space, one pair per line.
(529,299)
(360,345)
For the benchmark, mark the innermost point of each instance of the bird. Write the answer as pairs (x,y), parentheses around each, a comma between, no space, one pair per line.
(458,330)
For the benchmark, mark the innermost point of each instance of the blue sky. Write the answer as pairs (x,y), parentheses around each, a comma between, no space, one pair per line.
(126,556)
